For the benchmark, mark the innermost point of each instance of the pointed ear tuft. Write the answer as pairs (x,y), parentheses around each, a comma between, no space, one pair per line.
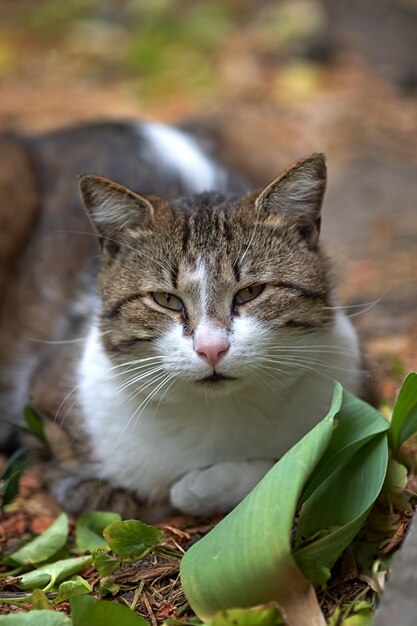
(297,195)
(112,207)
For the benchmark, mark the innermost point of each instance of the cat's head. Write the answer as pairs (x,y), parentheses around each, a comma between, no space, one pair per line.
(200,289)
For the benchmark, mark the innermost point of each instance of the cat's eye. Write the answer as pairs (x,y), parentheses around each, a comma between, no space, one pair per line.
(248,293)
(168,300)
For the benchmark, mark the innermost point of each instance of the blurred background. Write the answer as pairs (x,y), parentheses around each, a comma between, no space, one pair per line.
(270,81)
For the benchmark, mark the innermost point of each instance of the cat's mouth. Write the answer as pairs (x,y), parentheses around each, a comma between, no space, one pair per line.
(215,378)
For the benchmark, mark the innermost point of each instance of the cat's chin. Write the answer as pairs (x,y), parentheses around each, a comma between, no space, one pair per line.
(218,383)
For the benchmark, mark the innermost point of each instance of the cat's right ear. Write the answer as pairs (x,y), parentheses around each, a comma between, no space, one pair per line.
(113,208)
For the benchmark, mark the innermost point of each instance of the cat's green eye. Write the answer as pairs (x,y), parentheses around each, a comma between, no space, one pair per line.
(168,300)
(248,293)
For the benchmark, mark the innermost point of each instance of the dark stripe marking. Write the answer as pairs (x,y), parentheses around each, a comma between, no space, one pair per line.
(186,232)
(115,309)
(236,270)
(302,325)
(304,292)
(174,276)
(128,343)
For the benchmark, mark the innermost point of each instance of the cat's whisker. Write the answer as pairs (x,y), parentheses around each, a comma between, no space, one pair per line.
(138,389)
(316,370)
(314,350)
(138,412)
(310,360)
(366,306)
(265,373)
(76,388)
(136,362)
(138,377)
(136,392)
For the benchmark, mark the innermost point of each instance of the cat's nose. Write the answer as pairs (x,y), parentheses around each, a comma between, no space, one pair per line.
(212,349)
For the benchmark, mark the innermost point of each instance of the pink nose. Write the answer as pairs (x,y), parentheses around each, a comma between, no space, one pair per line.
(211,349)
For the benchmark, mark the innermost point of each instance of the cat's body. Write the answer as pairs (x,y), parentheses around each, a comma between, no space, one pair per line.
(212,343)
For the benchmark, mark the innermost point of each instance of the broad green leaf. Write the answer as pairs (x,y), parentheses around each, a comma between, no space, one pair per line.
(89,529)
(36,618)
(77,586)
(88,612)
(131,538)
(40,601)
(246,559)
(404,416)
(46,545)
(362,477)
(248,617)
(46,576)
(356,423)
(35,423)
(341,510)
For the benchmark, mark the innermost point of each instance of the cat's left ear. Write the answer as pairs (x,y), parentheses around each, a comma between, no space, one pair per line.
(296,196)
(112,208)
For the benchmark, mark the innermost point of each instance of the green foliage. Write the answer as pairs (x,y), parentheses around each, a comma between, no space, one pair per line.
(46,545)
(248,617)
(88,612)
(336,472)
(19,460)
(90,527)
(131,538)
(77,586)
(10,476)
(36,618)
(47,576)
(34,423)
(404,416)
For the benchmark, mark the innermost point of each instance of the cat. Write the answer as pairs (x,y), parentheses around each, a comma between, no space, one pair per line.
(177,359)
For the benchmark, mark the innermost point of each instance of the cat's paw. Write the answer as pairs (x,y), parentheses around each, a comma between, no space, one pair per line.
(218,488)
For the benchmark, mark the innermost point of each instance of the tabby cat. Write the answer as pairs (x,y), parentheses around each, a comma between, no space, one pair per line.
(176,366)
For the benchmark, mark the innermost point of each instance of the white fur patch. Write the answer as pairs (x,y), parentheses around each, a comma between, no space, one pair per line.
(180,153)
(148,447)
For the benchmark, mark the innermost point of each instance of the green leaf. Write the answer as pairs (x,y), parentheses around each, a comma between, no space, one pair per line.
(10,475)
(104,563)
(356,423)
(88,612)
(90,527)
(46,545)
(40,601)
(131,538)
(246,559)
(35,423)
(47,575)
(108,585)
(36,618)
(248,617)
(341,504)
(404,416)
(75,587)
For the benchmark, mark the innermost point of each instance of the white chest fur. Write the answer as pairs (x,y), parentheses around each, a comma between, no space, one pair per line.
(147,450)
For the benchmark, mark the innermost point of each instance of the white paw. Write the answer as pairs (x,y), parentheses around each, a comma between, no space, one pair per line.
(217,489)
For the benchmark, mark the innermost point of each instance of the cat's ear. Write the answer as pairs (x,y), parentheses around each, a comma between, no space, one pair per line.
(296,196)
(113,208)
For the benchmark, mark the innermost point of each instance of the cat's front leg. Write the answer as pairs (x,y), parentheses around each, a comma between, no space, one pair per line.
(77,493)
(218,488)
